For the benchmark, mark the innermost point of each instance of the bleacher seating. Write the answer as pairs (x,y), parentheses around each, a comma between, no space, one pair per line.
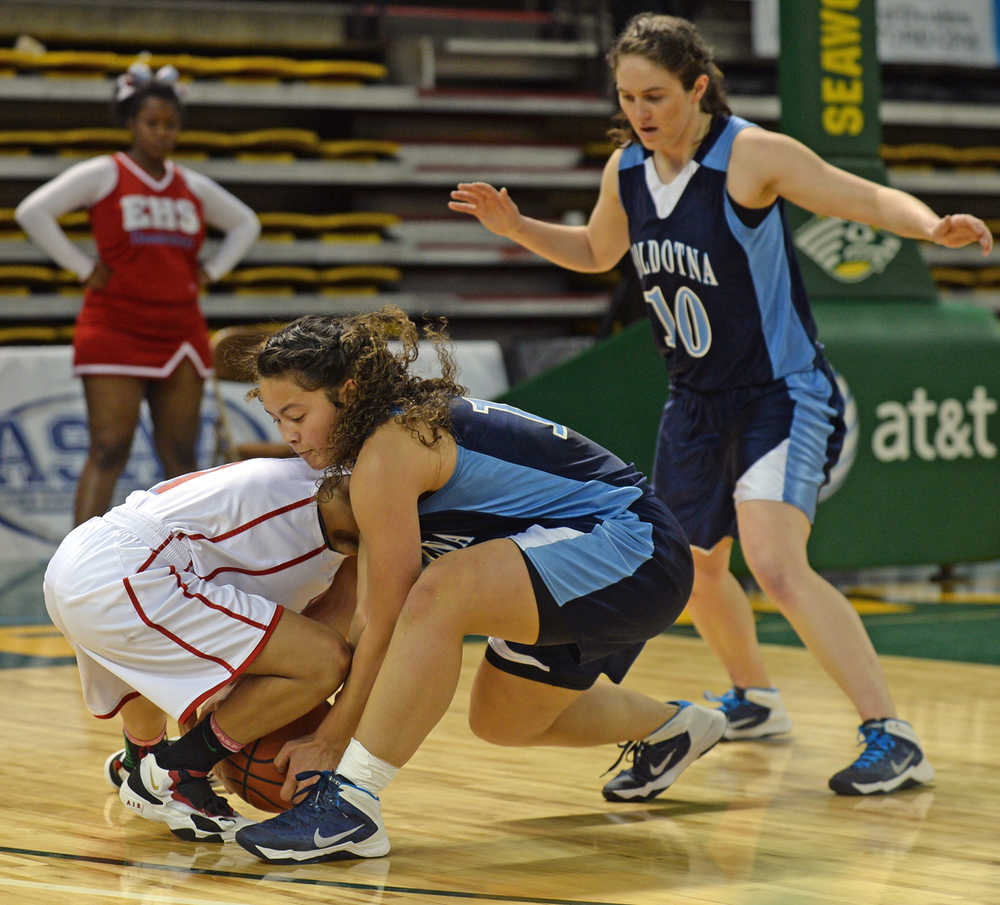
(239,68)
(349,161)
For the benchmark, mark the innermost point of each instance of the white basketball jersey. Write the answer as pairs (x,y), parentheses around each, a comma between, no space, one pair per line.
(251,524)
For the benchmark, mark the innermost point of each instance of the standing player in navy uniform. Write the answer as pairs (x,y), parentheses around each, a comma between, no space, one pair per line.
(533,535)
(754,421)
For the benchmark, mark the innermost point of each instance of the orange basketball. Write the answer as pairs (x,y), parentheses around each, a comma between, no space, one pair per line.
(251,773)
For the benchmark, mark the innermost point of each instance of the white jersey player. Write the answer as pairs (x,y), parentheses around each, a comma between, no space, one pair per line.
(172,596)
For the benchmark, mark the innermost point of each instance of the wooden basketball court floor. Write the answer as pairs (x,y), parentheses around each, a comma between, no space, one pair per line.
(751,823)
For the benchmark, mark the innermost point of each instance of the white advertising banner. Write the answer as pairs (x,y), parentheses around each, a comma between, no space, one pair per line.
(43,436)
(957,33)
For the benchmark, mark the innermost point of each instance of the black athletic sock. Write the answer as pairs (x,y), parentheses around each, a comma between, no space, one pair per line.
(198,750)
(135,753)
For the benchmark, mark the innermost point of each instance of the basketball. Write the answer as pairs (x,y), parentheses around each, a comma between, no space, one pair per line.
(251,774)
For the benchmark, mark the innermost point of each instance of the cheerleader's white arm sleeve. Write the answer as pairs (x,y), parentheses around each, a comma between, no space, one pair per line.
(80,186)
(225,212)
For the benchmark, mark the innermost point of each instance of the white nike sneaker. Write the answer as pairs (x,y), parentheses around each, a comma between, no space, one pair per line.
(336,819)
(183,800)
(664,754)
(892,760)
(118,764)
(752,713)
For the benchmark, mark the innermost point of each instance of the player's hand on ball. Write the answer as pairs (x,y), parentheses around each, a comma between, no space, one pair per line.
(310,752)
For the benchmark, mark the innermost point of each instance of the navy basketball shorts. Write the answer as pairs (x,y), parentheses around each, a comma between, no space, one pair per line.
(776,441)
(601,595)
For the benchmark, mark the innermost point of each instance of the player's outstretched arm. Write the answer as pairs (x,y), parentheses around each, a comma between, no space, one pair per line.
(593,248)
(766,165)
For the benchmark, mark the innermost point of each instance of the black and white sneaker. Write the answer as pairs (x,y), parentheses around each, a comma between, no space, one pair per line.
(752,713)
(123,761)
(892,760)
(664,754)
(183,800)
(115,770)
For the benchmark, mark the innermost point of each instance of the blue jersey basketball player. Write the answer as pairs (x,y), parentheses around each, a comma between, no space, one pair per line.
(754,421)
(469,517)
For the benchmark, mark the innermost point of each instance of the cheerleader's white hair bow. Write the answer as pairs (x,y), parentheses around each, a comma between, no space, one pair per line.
(139,73)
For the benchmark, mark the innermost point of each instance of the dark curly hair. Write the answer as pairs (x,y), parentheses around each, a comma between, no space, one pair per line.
(676,45)
(321,352)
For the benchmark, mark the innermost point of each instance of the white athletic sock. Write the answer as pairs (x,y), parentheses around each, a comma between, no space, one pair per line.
(364,769)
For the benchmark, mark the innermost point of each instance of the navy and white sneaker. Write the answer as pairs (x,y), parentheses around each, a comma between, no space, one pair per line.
(664,754)
(752,712)
(336,819)
(183,800)
(892,760)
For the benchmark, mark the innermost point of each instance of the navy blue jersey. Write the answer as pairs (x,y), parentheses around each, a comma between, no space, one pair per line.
(516,469)
(609,563)
(517,472)
(722,282)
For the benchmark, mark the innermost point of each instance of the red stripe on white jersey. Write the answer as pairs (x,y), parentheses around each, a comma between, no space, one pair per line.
(280,567)
(156,552)
(191,595)
(114,710)
(253,523)
(169,634)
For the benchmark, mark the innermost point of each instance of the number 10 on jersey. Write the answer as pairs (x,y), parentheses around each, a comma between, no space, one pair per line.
(689,319)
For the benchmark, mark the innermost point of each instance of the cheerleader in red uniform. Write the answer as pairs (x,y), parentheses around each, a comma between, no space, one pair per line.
(140,333)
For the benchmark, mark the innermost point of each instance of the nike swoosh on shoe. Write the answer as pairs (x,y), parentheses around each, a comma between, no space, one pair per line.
(670,760)
(903,764)
(321,841)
